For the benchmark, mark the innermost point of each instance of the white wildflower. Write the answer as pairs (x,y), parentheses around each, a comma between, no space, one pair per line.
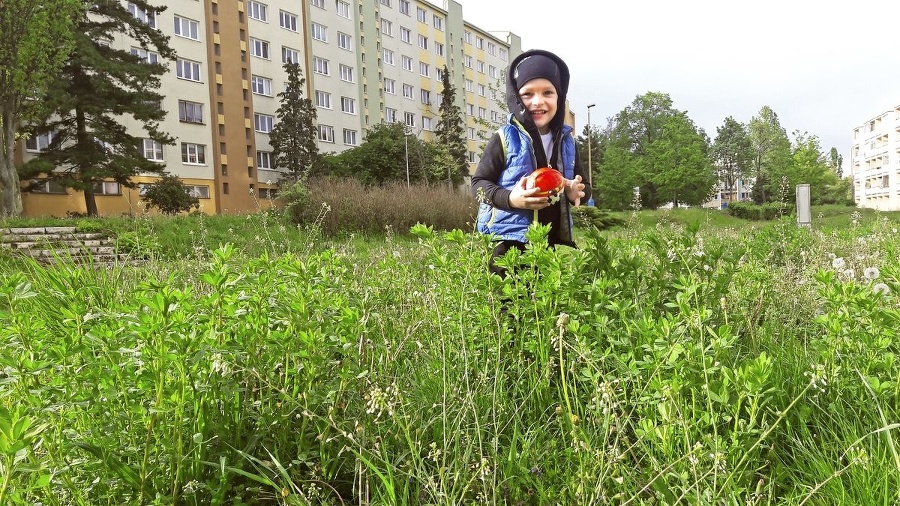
(850,274)
(838,263)
(881,288)
(871,273)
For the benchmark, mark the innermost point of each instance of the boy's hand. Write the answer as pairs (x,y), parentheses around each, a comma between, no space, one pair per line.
(575,190)
(522,197)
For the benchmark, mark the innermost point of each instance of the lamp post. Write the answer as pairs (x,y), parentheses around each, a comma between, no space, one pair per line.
(590,167)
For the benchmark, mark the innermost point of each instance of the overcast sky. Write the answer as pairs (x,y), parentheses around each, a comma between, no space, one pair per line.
(825,67)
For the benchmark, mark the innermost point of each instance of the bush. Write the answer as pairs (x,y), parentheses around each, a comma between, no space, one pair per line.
(759,212)
(588,216)
(170,196)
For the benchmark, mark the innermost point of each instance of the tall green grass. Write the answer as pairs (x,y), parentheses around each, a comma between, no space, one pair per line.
(677,362)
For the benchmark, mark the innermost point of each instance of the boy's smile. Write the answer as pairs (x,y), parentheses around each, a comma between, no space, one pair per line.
(539,97)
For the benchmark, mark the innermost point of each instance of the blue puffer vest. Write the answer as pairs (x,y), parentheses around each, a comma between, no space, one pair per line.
(520,160)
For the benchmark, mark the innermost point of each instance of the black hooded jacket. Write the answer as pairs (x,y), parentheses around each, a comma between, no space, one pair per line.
(492,163)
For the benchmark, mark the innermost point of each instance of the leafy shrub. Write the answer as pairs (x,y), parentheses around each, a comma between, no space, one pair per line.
(759,212)
(590,216)
(170,196)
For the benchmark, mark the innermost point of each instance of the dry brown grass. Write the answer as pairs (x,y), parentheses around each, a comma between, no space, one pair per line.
(346,205)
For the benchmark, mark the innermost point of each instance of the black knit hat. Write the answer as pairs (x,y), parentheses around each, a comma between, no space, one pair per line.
(537,66)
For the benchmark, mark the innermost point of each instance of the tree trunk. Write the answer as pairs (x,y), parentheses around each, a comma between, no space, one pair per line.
(90,203)
(10,193)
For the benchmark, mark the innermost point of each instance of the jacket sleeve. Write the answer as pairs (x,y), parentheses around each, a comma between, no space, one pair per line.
(580,171)
(487,174)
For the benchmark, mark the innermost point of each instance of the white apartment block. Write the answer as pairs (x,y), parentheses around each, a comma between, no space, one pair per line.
(875,162)
(365,62)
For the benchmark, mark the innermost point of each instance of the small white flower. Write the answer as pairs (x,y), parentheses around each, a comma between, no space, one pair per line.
(838,263)
(871,273)
(850,274)
(881,288)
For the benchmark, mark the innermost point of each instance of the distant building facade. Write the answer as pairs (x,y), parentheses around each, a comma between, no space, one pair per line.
(365,62)
(875,162)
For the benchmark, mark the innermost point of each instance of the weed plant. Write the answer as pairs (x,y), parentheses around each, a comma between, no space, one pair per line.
(669,363)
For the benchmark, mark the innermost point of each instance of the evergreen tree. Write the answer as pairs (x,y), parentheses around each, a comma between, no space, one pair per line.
(450,132)
(99,89)
(836,162)
(36,40)
(294,138)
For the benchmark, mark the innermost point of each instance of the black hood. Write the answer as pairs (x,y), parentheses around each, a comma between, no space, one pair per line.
(512,91)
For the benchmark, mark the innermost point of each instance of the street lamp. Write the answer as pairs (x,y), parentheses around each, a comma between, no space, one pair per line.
(590,167)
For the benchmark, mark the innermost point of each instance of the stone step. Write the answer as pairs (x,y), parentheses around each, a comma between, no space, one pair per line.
(59,244)
(70,252)
(37,230)
(51,237)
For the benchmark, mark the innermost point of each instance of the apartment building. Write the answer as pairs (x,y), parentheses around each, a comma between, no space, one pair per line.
(365,61)
(875,162)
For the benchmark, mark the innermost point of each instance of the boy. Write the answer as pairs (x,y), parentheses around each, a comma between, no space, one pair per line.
(535,136)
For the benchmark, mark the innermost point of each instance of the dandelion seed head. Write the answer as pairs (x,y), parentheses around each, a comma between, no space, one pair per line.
(871,273)
(881,288)
(838,263)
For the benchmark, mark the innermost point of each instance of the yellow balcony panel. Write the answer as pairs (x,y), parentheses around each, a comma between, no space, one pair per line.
(240,6)
(251,161)
(216,38)
(221,119)
(244,46)
(245,84)
(218,78)
(248,123)
(223,159)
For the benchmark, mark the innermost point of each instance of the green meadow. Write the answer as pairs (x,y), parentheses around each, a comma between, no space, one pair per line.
(681,357)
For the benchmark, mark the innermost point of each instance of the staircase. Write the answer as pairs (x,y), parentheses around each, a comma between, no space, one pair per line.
(50,245)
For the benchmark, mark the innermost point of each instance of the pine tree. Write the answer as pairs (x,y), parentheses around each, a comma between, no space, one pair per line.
(99,88)
(294,136)
(450,132)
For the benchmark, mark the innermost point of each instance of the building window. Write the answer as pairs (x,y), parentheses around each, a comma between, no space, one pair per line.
(386,27)
(468,37)
(345,41)
(492,49)
(197,191)
(467,61)
(426,123)
(406,35)
(479,43)
(504,54)
(320,66)
(190,112)
(409,119)
(259,48)
(319,32)
(472,157)
(346,73)
(153,150)
(323,99)
(421,15)
(47,186)
(423,69)
(406,63)
(186,69)
(287,20)
(386,3)
(38,143)
(149,18)
(388,57)
(350,137)
(268,193)
(438,49)
(423,42)
(147,56)
(438,22)
(263,122)
(326,133)
(470,110)
(492,71)
(389,86)
(482,113)
(469,84)
(194,154)
(407,91)
(187,28)
(425,96)
(257,10)
(317,3)
(404,7)
(106,188)
(289,55)
(264,160)
(470,133)
(390,115)
(482,90)
(348,105)
(343,9)
(261,85)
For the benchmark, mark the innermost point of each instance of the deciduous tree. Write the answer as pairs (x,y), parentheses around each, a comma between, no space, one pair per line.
(732,154)
(771,155)
(99,89)
(36,39)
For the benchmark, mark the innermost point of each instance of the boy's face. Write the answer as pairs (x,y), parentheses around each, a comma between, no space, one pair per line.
(539,96)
